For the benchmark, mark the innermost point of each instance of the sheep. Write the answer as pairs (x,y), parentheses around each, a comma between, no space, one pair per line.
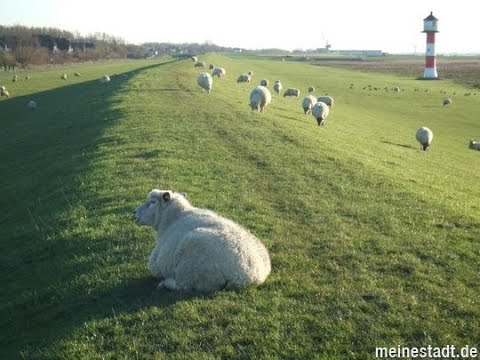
(447,101)
(32,104)
(244,78)
(292,92)
(205,81)
(63,77)
(250,73)
(211,67)
(311,89)
(4,92)
(200,64)
(396,89)
(260,97)
(308,103)
(15,78)
(424,136)
(277,87)
(194,59)
(264,82)
(198,250)
(473,144)
(219,72)
(27,77)
(327,100)
(320,112)
(105,79)
(77,74)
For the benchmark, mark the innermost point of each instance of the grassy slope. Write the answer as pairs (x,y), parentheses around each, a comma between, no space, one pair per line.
(373,242)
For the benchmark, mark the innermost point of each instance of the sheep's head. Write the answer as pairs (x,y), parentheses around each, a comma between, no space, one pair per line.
(151,210)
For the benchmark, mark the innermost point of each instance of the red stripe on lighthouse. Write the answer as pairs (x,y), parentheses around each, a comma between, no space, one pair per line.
(430,61)
(430,37)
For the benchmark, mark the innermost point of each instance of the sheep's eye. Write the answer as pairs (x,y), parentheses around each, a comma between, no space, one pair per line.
(151,202)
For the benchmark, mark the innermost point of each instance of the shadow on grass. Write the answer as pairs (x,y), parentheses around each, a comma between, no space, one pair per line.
(46,156)
(396,144)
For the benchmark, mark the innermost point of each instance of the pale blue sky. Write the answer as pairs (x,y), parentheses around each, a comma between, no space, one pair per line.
(391,26)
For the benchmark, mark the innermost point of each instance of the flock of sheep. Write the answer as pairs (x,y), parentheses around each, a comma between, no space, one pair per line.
(319,107)
(32,104)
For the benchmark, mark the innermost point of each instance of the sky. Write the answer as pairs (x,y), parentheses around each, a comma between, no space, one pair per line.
(390,26)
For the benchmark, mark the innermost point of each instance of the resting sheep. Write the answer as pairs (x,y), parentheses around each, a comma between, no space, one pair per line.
(320,112)
(105,79)
(424,136)
(327,100)
(277,87)
(264,82)
(307,104)
(447,101)
(260,97)
(198,250)
(219,72)
(32,104)
(244,78)
(475,145)
(311,89)
(205,81)
(292,92)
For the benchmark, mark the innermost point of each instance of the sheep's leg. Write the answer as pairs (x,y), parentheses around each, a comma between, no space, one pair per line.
(168,283)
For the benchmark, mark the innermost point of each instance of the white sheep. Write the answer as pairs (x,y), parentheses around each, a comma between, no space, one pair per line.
(198,250)
(292,92)
(320,112)
(264,82)
(32,104)
(447,101)
(77,74)
(205,81)
(27,77)
(63,77)
(311,89)
(105,79)
(277,87)
(244,78)
(250,73)
(200,64)
(473,144)
(194,59)
(260,97)
(396,89)
(327,100)
(15,78)
(4,91)
(424,136)
(219,72)
(308,102)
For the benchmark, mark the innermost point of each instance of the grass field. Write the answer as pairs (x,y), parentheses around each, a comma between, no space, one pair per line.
(374,243)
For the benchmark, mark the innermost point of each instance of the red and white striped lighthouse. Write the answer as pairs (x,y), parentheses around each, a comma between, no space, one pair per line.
(430,27)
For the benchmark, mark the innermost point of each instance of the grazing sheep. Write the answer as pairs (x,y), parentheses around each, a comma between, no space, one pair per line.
(27,77)
(32,104)
(77,74)
(307,103)
(264,82)
(447,101)
(211,67)
(218,71)
(105,79)
(4,92)
(327,100)
(250,73)
(244,78)
(63,77)
(292,92)
(320,112)
(396,89)
(311,89)
(194,59)
(277,87)
(424,136)
(205,81)
(198,250)
(260,97)
(473,144)
(200,64)
(15,78)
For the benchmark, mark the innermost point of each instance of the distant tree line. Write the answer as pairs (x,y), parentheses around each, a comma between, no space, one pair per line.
(23,46)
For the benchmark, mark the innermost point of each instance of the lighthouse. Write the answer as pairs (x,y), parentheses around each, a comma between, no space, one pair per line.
(430,28)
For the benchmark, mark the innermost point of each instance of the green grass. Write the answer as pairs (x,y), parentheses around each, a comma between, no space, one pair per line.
(373,242)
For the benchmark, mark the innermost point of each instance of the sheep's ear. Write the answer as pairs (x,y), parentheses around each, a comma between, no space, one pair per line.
(184,194)
(166,196)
